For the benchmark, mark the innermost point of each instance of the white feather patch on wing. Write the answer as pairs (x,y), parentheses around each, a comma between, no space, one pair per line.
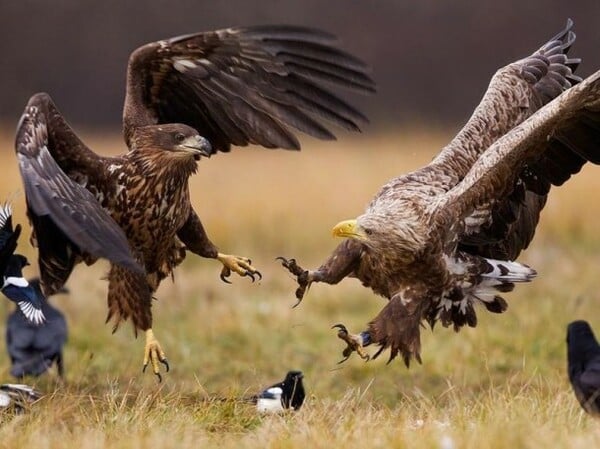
(36,316)
(270,401)
(5,213)
(16,281)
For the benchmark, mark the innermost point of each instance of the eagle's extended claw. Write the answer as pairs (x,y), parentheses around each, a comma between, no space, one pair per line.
(154,354)
(241,265)
(354,342)
(302,277)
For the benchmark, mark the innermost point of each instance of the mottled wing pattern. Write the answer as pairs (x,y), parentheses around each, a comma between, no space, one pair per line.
(504,228)
(8,236)
(573,119)
(241,86)
(68,221)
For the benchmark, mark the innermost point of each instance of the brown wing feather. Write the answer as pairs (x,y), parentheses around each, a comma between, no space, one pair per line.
(68,221)
(572,117)
(515,92)
(245,85)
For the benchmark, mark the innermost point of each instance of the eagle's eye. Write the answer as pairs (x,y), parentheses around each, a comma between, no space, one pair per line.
(179,137)
(368,231)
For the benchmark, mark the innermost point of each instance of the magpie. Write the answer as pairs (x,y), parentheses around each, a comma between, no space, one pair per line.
(17,396)
(583,357)
(283,395)
(33,349)
(14,286)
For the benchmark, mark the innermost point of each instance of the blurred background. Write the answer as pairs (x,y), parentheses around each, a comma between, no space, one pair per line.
(431,59)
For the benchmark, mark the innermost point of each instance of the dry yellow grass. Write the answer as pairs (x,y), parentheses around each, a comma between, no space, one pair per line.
(500,385)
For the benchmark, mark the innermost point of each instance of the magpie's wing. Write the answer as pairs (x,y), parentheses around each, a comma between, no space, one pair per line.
(273,392)
(8,236)
(241,86)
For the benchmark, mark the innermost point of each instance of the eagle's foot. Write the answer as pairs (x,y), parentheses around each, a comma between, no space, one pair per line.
(153,353)
(241,265)
(354,343)
(302,277)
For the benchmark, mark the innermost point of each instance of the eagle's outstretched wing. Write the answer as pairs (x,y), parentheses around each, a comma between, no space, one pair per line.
(241,86)
(557,140)
(68,222)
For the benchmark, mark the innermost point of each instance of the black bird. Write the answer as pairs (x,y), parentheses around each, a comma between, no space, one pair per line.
(283,395)
(583,358)
(34,348)
(17,396)
(14,286)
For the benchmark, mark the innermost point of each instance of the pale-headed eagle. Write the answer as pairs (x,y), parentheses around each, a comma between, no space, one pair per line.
(440,240)
(186,97)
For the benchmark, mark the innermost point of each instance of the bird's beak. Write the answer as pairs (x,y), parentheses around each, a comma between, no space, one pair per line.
(197,145)
(348,229)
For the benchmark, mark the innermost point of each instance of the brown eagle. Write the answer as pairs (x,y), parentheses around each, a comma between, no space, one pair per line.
(440,240)
(187,97)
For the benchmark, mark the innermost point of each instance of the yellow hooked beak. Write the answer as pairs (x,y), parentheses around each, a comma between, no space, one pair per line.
(348,229)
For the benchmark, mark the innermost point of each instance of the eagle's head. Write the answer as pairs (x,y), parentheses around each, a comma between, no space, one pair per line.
(180,141)
(382,234)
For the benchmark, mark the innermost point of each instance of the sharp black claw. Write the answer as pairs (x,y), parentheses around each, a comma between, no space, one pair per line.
(167,367)
(340,327)
(159,377)
(259,275)
(250,275)
(224,279)
(343,360)
(144,368)
(297,303)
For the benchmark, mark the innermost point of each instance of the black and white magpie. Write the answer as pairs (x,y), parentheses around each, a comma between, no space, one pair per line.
(583,357)
(33,349)
(14,286)
(288,394)
(17,396)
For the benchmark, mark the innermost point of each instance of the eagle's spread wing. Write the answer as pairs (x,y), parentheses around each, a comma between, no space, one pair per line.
(546,149)
(241,86)
(68,221)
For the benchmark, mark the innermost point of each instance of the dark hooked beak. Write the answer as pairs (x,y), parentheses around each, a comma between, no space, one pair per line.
(197,145)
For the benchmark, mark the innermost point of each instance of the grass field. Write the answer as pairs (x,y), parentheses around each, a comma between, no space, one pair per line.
(501,385)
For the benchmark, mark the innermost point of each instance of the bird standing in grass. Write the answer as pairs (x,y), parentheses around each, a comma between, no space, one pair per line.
(583,358)
(14,286)
(33,349)
(285,395)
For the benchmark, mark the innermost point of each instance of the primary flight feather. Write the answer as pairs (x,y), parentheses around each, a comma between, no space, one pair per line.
(440,240)
(186,98)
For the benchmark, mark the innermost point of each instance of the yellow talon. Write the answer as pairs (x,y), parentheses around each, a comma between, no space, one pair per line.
(241,265)
(154,354)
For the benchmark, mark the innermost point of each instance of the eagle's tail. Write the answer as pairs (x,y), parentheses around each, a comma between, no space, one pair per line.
(500,277)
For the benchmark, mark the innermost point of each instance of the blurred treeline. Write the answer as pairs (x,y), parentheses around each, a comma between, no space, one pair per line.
(431,59)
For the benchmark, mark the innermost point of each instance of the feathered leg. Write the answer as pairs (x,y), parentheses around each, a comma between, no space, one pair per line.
(129,295)
(342,262)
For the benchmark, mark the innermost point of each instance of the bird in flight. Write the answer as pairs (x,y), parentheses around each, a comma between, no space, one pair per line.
(440,240)
(187,98)
(14,286)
